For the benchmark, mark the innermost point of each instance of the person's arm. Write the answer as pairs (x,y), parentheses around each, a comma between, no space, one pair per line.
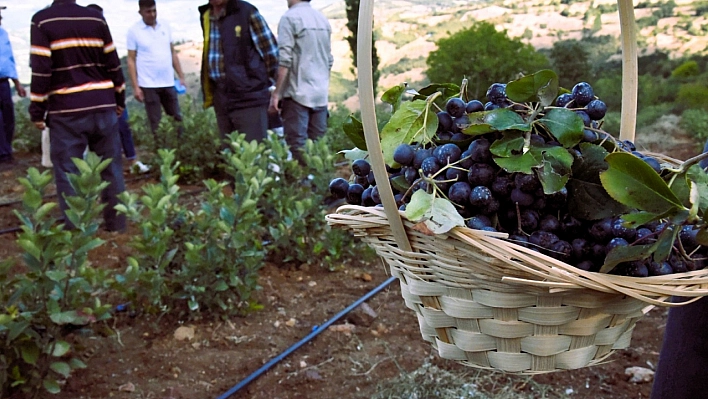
(176,65)
(41,63)
(133,73)
(286,44)
(20,89)
(132,45)
(265,44)
(277,94)
(112,65)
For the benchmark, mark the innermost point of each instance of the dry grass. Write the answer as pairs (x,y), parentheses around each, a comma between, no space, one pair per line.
(432,382)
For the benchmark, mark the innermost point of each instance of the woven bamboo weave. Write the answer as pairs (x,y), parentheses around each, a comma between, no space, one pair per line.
(493,304)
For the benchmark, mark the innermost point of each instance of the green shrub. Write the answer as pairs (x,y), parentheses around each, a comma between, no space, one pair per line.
(197,150)
(692,95)
(189,261)
(55,292)
(27,137)
(695,122)
(295,210)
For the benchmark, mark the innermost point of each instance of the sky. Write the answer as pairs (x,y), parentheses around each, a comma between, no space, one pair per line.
(182,15)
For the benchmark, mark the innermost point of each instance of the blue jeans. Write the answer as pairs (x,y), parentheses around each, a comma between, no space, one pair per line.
(7,120)
(69,135)
(301,123)
(126,136)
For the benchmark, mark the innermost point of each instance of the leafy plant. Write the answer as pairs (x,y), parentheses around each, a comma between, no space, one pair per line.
(295,208)
(56,290)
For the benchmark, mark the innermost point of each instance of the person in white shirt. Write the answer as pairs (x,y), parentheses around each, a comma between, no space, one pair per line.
(151,59)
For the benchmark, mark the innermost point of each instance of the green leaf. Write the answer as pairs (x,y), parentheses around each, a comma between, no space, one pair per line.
(590,201)
(221,286)
(447,90)
(51,385)
(681,187)
(30,248)
(592,162)
(565,125)
(354,129)
(30,352)
(520,163)
(419,206)
(632,182)
(665,244)
(551,181)
(633,220)
(626,254)
(193,305)
(56,275)
(16,329)
(541,86)
(77,363)
(32,199)
(414,122)
(700,179)
(354,154)
(702,236)
(506,119)
(61,368)
(438,214)
(400,183)
(511,143)
(61,348)
(62,318)
(393,96)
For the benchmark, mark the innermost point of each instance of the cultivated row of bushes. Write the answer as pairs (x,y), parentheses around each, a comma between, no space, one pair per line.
(191,259)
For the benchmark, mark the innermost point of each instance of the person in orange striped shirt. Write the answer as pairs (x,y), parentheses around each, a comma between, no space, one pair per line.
(78,91)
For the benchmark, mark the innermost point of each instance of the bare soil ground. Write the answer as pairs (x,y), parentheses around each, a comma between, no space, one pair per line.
(139,356)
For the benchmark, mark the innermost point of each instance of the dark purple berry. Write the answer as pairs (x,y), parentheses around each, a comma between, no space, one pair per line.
(354,194)
(455,107)
(596,109)
(361,167)
(403,154)
(582,94)
(339,187)
(564,99)
(474,106)
(445,122)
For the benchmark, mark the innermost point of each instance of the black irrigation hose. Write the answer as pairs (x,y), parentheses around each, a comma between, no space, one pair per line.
(61,219)
(313,334)
(17,202)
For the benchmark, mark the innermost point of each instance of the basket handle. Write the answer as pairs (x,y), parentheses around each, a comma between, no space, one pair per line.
(630,80)
(368,117)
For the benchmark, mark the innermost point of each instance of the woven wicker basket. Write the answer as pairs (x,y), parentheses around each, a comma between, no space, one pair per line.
(489,303)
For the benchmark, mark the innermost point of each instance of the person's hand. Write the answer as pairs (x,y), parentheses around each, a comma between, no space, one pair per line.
(138,93)
(40,125)
(119,110)
(181,81)
(274,106)
(20,89)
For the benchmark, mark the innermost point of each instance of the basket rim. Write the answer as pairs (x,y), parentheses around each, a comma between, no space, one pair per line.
(543,271)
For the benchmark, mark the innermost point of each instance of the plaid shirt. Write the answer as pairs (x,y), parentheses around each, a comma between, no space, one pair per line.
(262,37)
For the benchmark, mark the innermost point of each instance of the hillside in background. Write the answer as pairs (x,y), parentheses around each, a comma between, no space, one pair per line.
(407,30)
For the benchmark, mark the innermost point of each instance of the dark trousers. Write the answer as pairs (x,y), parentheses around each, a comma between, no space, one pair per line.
(69,136)
(7,120)
(683,363)
(126,136)
(301,123)
(157,98)
(253,122)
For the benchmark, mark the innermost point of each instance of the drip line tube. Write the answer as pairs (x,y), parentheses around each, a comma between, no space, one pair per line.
(303,341)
